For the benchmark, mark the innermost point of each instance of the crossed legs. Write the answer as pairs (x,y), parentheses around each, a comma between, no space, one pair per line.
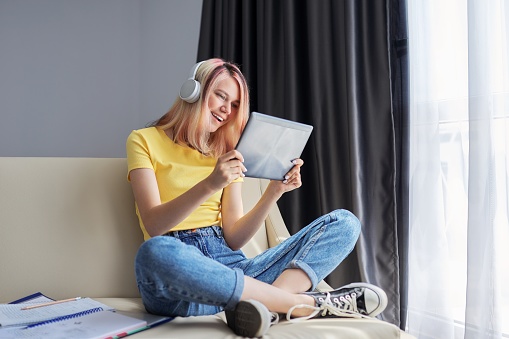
(283,294)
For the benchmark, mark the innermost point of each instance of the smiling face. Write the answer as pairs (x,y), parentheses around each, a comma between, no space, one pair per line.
(223,103)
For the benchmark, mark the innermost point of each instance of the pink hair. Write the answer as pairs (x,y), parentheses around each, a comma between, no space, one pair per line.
(185,121)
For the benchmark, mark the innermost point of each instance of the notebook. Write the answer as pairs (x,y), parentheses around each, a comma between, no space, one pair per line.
(83,318)
(269,144)
(152,320)
(96,325)
(14,315)
(35,298)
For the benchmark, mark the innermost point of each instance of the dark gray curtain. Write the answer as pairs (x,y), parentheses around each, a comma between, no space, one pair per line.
(339,65)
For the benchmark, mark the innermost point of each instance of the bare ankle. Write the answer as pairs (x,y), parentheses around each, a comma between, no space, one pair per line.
(302,299)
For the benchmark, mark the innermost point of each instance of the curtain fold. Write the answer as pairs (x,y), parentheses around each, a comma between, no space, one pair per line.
(335,65)
(459,168)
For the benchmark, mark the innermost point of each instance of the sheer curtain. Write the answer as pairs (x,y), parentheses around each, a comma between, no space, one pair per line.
(459,110)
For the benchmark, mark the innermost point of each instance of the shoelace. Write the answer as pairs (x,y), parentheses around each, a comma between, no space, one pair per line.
(346,306)
(274,318)
(347,302)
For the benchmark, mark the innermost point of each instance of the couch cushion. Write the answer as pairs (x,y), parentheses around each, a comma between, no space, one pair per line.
(67,228)
(214,326)
(251,193)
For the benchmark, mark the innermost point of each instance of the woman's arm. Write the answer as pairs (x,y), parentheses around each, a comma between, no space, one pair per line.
(238,229)
(160,218)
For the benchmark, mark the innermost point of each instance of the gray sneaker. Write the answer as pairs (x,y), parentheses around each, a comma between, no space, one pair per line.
(250,319)
(356,300)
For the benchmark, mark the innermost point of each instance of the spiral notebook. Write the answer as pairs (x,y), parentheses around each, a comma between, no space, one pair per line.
(94,325)
(14,315)
(83,318)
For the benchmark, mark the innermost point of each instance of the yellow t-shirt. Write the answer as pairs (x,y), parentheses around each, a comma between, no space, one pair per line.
(177,169)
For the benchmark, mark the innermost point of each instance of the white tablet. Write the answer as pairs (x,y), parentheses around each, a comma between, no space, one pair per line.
(269,144)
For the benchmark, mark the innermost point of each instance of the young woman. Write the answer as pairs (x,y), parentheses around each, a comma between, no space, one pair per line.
(187,181)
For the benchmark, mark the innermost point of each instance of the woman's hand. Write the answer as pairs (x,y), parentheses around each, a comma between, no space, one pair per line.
(292,179)
(239,229)
(229,167)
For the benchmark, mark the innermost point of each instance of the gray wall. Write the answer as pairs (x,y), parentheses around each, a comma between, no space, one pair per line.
(77,76)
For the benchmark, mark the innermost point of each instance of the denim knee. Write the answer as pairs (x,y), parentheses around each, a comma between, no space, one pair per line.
(348,223)
(153,251)
(325,243)
(175,278)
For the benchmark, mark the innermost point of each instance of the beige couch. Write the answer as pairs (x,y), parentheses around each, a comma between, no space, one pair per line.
(68,228)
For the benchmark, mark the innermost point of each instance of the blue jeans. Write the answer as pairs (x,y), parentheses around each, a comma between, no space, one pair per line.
(194,272)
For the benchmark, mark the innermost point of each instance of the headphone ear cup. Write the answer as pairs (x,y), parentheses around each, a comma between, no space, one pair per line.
(190,91)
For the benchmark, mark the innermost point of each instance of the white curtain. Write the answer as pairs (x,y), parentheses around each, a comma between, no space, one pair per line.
(459,169)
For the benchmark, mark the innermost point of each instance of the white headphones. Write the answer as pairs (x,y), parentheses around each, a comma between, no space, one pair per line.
(190,90)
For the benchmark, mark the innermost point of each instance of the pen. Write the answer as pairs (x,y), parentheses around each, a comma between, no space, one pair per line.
(50,303)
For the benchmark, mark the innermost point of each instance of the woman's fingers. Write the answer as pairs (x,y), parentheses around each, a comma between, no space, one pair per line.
(235,161)
(229,167)
(294,174)
(294,181)
(234,154)
(298,162)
